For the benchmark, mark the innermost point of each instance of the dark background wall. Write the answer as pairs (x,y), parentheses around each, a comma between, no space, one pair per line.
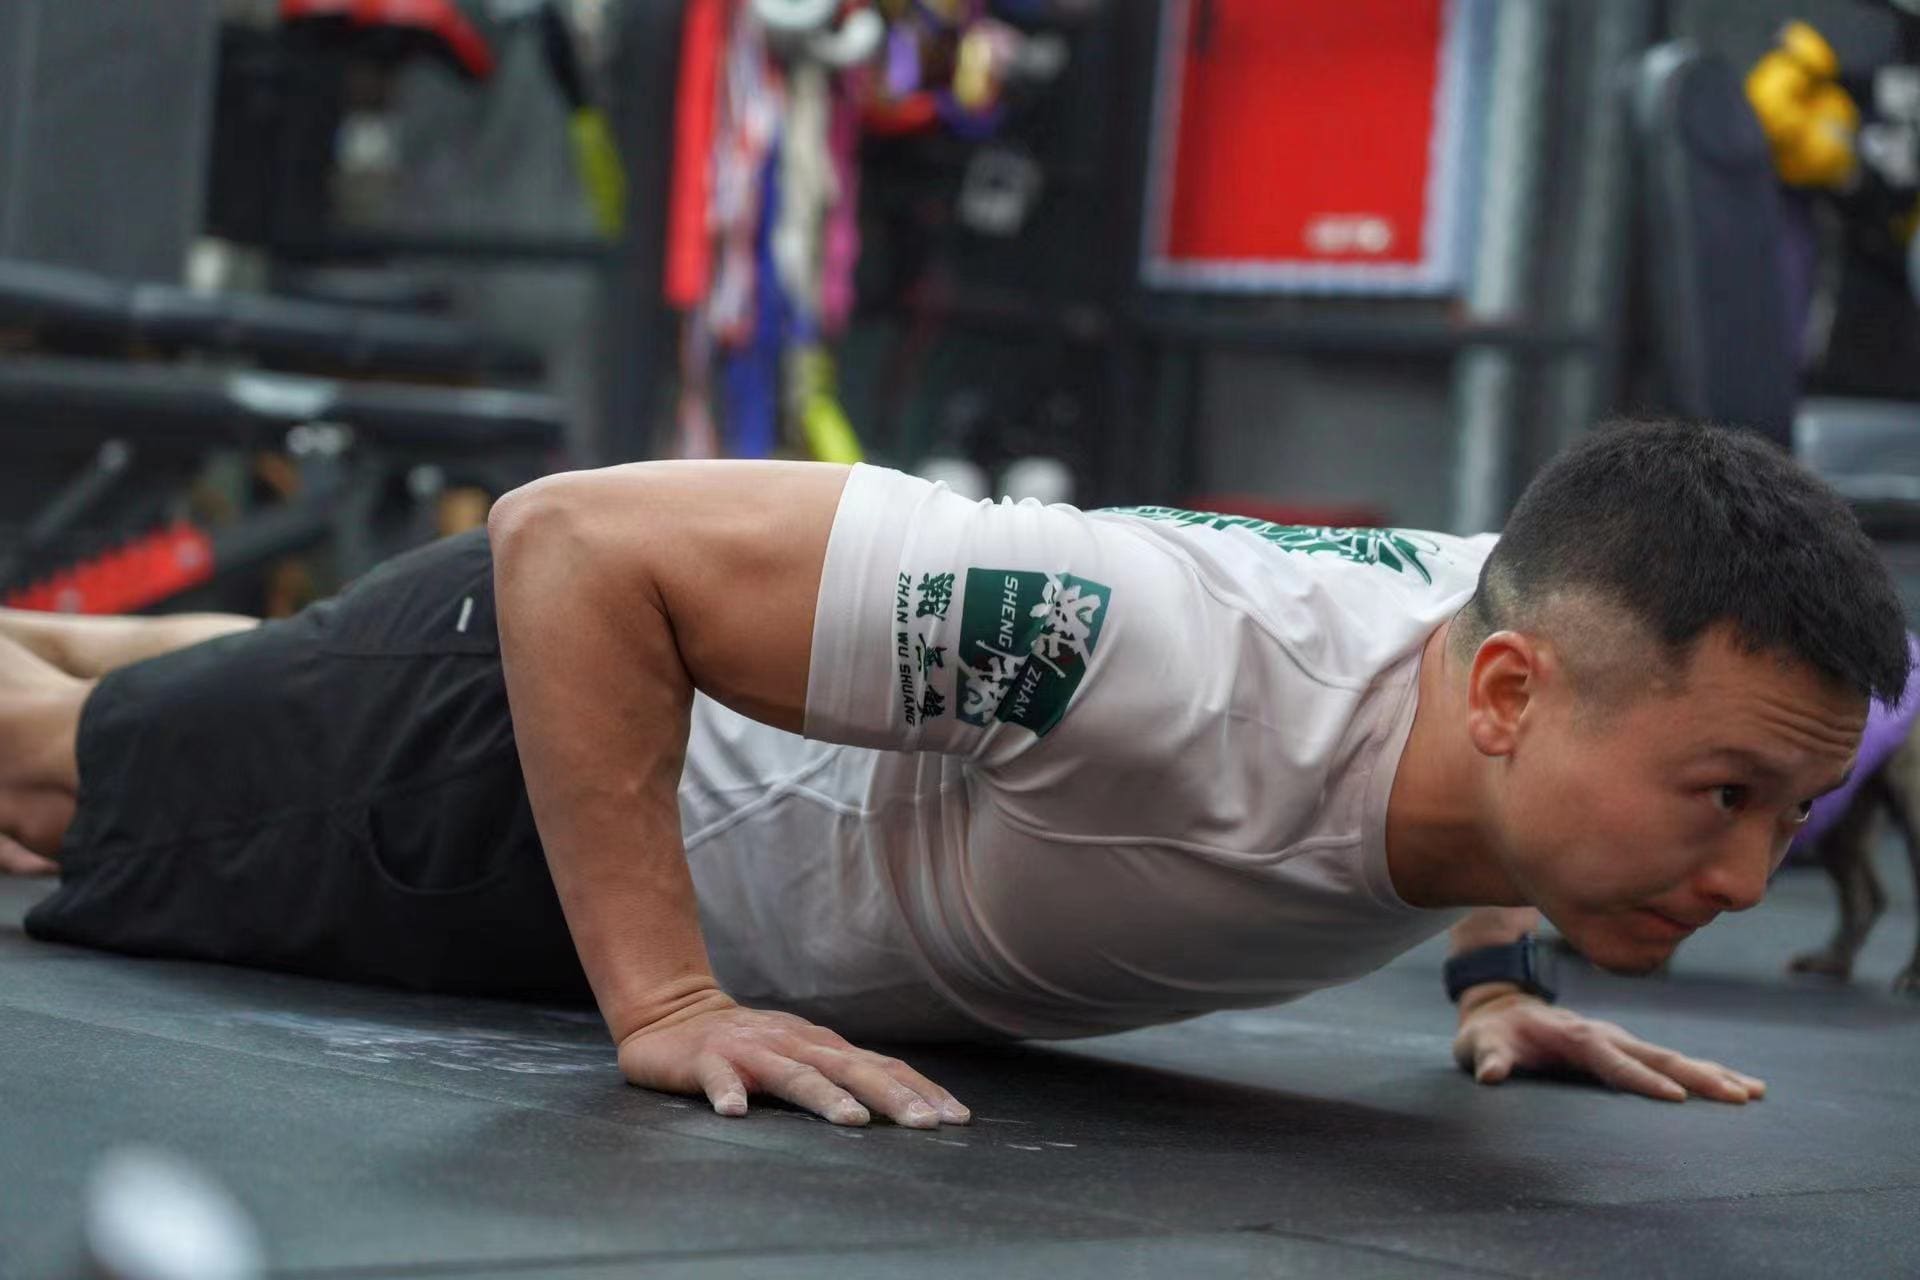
(103,120)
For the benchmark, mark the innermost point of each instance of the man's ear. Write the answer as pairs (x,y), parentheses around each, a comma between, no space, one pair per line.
(1503,682)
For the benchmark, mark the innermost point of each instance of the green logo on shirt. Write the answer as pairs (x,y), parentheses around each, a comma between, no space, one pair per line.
(1025,639)
(1395,549)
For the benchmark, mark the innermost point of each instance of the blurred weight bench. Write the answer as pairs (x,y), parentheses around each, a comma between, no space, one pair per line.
(1724,319)
(61,309)
(116,398)
(371,457)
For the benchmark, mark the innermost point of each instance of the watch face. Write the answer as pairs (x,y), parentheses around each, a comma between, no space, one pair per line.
(1540,975)
(1529,957)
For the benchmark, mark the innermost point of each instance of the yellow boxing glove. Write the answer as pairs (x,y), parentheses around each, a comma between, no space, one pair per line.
(1810,121)
(597,158)
(814,404)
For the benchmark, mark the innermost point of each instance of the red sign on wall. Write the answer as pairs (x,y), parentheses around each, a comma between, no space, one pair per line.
(1312,145)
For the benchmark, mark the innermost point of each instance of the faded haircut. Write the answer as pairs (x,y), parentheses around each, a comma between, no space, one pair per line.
(1683,527)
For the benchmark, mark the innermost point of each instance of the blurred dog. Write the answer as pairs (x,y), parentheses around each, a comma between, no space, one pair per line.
(1845,850)
(1843,828)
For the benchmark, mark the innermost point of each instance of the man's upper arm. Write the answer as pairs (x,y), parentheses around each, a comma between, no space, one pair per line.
(730,552)
(871,608)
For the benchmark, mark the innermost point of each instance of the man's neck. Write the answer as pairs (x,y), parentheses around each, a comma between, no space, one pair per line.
(1438,850)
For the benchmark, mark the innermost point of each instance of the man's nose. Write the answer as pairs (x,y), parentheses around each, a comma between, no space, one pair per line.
(1737,879)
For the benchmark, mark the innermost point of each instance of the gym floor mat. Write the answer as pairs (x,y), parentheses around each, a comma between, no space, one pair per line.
(373,1134)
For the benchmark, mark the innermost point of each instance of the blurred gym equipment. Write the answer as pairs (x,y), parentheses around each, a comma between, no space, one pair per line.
(85,313)
(364,464)
(1721,267)
(372,458)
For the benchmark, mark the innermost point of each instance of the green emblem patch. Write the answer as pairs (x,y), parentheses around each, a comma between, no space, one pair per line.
(1025,639)
(1395,549)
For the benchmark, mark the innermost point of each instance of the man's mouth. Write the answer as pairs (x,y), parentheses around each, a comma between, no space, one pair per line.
(1676,928)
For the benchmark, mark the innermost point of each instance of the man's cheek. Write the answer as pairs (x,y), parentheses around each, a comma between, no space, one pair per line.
(1612,866)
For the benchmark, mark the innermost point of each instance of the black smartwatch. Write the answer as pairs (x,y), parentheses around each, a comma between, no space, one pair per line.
(1517,962)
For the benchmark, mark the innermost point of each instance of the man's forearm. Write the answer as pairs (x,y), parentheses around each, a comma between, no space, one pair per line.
(1489,927)
(601,700)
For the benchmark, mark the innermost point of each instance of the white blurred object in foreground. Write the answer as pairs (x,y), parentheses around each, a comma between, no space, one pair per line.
(153,1216)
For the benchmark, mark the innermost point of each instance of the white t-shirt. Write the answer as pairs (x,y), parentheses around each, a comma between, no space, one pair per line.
(1068,773)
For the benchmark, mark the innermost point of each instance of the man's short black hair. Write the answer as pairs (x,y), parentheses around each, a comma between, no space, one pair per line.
(1687,526)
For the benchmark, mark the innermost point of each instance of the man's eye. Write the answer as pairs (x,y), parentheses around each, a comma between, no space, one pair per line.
(1730,798)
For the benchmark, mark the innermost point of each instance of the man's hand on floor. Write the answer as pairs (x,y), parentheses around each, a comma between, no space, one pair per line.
(1516,1031)
(18,860)
(726,1053)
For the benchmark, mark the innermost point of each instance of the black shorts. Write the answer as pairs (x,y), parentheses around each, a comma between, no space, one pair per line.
(336,794)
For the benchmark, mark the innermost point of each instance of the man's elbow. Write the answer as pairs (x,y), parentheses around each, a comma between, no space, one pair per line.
(522,512)
(581,528)
(561,520)
(541,536)
(569,505)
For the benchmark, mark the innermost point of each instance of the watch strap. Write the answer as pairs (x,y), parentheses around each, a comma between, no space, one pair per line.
(1518,962)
